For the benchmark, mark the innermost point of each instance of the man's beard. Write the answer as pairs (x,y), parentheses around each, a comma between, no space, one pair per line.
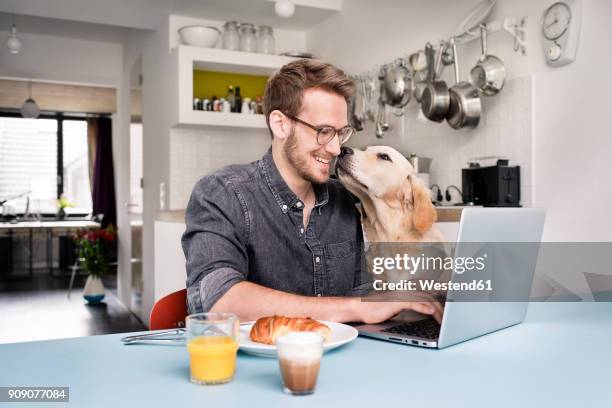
(300,162)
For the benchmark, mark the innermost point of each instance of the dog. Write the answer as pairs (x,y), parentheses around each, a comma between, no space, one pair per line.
(396,212)
(395,205)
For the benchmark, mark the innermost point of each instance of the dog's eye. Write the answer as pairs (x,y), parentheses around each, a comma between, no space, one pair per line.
(384,156)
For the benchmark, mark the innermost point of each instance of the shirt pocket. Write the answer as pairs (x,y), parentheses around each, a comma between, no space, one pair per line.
(340,266)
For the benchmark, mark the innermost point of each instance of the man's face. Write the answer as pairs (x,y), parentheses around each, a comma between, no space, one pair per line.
(313,161)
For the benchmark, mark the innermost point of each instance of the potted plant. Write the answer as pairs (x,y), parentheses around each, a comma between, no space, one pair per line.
(62,204)
(93,249)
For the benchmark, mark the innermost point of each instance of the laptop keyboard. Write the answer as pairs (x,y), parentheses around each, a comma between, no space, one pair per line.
(426,328)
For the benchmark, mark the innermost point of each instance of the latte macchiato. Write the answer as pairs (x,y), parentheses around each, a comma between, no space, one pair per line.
(299,355)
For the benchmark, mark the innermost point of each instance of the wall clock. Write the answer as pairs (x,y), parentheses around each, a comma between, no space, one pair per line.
(561,32)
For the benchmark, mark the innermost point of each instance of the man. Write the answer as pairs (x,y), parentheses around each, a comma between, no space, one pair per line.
(277,236)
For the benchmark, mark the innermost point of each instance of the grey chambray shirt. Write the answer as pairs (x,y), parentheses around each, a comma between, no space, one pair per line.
(244,223)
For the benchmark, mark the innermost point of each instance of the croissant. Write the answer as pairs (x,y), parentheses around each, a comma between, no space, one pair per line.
(267,329)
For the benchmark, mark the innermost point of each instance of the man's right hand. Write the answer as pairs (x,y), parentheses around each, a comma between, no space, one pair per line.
(373,311)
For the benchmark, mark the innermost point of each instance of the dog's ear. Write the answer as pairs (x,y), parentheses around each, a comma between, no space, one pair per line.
(424,213)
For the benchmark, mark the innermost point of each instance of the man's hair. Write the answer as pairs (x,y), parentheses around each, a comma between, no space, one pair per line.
(285,88)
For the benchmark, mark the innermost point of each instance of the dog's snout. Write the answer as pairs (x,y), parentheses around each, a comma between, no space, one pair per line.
(345,151)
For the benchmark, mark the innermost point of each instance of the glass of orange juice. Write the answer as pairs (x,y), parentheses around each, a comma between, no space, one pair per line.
(212,343)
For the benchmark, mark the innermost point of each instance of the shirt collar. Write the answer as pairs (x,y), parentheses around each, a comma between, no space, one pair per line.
(283,195)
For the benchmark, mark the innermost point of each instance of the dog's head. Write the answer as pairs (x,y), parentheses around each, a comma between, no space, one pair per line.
(380,174)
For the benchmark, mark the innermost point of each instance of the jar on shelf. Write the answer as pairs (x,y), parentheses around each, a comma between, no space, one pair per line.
(231,37)
(265,40)
(247,37)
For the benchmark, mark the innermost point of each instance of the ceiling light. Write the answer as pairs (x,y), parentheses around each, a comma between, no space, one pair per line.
(30,109)
(13,42)
(284,8)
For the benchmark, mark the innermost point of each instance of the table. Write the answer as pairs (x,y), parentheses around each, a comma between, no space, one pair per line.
(49,227)
(560,356)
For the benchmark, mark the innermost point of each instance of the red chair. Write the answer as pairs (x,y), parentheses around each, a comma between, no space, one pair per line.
(169,312)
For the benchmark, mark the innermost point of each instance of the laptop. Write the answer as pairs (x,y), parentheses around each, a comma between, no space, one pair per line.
(510,237)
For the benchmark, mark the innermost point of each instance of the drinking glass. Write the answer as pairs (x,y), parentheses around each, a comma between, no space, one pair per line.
(299,357)
(212,343)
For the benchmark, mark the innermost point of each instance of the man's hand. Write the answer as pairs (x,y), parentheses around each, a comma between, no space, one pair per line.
(370,310)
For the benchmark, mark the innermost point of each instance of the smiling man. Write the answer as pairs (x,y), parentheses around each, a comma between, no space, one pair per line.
(278,236)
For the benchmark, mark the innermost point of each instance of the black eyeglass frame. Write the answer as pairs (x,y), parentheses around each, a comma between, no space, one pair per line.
(319,129)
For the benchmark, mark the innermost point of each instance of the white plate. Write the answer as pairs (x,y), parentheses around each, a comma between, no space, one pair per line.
(340,335)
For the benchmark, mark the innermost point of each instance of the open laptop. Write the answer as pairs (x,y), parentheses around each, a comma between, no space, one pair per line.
(512,237)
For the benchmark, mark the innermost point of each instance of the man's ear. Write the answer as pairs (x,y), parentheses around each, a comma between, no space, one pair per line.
(279,125)
(424,213)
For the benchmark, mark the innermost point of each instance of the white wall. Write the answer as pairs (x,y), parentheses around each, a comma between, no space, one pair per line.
(58,50)
(571,134)
(195,153)
(132,49)
(158,91)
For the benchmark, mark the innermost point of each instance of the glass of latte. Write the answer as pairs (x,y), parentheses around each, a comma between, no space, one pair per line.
(299,356)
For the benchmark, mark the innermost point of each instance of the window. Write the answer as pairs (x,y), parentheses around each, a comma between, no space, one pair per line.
(40,159)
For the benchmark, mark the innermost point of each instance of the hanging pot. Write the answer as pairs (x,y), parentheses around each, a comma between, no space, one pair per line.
(489,74)
(435,100)
(429,72)
(397,84)
(465,105)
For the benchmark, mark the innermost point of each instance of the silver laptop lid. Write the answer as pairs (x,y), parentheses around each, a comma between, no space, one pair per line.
(503,234)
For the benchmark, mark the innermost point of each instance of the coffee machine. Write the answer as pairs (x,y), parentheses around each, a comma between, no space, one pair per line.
(492,186)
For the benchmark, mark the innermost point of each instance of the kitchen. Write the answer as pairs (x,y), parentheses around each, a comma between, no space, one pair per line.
(543,120)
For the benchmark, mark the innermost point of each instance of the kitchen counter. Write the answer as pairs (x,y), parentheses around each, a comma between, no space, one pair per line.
(558,357)
(449,213)
(445,214)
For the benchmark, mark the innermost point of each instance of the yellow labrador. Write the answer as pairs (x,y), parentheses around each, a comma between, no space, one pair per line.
(395,208)
(395,205)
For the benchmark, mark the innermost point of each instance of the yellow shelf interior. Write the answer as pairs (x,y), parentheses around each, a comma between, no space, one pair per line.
(207,84)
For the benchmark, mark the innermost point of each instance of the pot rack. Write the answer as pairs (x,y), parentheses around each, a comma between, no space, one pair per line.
(511,25)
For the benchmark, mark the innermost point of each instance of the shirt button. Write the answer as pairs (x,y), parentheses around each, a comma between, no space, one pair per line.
(301,230)
(318,294)
(317,259)
(298,204)
(284,207)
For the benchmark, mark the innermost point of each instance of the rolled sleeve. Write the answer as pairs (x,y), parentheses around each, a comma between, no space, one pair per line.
(214,242)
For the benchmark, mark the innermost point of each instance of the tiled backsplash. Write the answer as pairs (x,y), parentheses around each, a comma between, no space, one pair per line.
(196,152)
(505,129)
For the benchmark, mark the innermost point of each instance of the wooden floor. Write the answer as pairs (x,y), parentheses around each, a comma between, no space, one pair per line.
(38,308)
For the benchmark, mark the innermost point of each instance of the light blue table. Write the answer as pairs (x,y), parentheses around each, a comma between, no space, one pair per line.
(561,356)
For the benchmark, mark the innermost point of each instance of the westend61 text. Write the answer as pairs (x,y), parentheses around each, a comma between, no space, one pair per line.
(432,285)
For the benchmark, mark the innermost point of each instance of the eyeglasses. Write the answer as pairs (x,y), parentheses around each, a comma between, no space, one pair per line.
(325,134)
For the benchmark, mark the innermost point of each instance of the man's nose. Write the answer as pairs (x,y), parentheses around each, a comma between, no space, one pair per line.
(345,151)
(333,146)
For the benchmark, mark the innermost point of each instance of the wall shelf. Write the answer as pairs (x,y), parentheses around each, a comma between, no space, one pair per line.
(221,119)
(188,58)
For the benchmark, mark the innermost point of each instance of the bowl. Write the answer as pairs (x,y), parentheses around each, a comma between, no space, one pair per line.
(200,36)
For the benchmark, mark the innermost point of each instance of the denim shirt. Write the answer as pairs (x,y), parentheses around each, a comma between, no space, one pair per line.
(245,224)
